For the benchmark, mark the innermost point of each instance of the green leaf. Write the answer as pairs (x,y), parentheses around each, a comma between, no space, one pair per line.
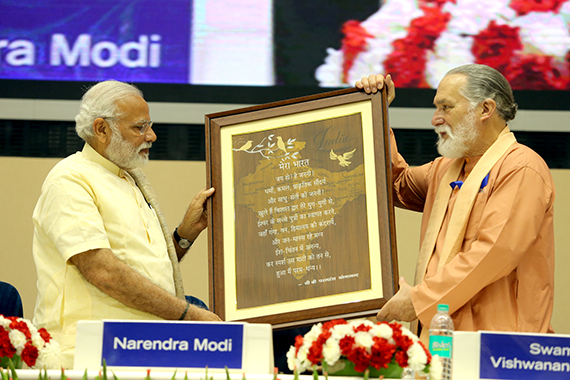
(85,377)
(174,375)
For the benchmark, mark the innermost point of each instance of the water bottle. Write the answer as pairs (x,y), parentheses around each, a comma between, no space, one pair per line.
(441,338)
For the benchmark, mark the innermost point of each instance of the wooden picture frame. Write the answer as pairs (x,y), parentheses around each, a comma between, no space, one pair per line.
(301,226)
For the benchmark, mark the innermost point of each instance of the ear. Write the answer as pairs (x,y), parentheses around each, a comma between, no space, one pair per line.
(102,131)
(488,108)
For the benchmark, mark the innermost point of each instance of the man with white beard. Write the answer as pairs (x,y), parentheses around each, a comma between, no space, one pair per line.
(487,237)
(101,247)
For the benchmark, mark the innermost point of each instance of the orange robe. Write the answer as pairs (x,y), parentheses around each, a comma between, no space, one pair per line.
(503,277)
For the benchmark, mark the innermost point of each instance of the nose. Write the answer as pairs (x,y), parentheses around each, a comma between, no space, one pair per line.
(149,135)
(437,119)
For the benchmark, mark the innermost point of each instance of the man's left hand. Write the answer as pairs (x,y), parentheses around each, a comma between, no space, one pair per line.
(196,218)
(399,307)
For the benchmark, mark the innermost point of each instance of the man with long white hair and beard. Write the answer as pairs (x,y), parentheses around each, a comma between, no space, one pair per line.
(101,246)
(487,236)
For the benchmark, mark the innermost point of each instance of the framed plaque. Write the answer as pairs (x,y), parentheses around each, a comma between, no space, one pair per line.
(301,226)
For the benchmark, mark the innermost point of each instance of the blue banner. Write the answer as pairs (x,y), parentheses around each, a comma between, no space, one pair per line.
(520,356)
(173,344)
(130,40)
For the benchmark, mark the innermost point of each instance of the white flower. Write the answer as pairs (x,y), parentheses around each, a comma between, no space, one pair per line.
(340,331)
(393,19)
(331,351)
(4,322)
(302,356)
(363,339)
(49,357)
(435,368)
(293,362)
(18,340)
(409,334)
(417,358)
(565,12)
(31,327)
(546,32)
(370,61)
(313,334)
(382,331)
(329,74)
(451,50)
(37,340)
(473,16)
(387,25)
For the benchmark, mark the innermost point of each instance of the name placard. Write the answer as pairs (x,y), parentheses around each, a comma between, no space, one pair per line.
(174,344)
(500,355)
(522,356)
(167,345)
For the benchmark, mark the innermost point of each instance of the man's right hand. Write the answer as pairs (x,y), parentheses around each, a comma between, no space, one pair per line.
(374,83)
(196,313)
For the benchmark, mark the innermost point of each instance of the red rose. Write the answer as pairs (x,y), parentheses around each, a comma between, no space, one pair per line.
(22,327)
(361,359)
(402,358)
(404,342)
(426,29)
(30,354)
(315,352)
(298,343)
(346,344)
(438,3)
(6,347)
(537,72)
(363,328)
(353,43)
(406,64)
(526,6)
(495,45)
(407,61)
(45,335)
(382,352)
(330,324)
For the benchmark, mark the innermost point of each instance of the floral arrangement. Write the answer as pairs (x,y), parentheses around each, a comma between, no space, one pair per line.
(418,41)
(22,343)
(363,343)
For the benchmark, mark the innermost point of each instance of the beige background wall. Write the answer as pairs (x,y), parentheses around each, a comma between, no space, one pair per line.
(176,183)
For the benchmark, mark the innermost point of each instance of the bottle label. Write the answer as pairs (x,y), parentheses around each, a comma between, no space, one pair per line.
(441,345)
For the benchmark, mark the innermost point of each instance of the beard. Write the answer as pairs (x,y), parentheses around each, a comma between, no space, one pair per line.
(125,154)
(457,144)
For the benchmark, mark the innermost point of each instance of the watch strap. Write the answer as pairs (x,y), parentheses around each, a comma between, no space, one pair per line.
(182,242)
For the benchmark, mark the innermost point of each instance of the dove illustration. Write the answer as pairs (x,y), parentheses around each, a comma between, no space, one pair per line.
(342,159)
(246,146)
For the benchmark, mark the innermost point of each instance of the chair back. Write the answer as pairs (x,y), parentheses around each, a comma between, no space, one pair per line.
(10,301)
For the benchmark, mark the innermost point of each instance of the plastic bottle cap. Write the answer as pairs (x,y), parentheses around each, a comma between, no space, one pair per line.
(443,308)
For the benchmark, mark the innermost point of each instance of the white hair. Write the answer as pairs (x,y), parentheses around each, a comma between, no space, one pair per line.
(485,82)
(100,101)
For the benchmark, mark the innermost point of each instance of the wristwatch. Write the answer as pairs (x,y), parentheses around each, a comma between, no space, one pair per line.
(182,243)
